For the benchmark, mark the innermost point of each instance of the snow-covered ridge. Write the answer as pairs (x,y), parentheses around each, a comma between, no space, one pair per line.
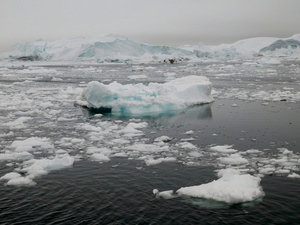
(116,48)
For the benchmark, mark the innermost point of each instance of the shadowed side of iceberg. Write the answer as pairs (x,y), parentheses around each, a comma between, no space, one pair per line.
(154,98)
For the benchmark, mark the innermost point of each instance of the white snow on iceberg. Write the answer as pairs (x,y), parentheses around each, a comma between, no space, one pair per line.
(139,99)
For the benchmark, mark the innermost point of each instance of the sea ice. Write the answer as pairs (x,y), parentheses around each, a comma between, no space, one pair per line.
(233,159)
(38,167)
(223,149)
(152,161)
(31,144)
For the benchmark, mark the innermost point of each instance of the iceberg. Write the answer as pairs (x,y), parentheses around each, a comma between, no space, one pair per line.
(245,47)
(284,47)
(104,48)
(121,49)
(154,98)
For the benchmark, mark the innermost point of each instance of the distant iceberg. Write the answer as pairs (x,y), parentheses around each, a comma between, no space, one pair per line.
(244,48)
(106,48)
(285,47)
(155,98)
(120,49)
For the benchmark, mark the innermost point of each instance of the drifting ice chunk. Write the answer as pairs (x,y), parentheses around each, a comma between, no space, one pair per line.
(231,188)
(39,167)
(30,144)
(139,99)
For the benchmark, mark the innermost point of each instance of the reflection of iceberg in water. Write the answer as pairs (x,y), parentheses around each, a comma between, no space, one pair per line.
(189,116)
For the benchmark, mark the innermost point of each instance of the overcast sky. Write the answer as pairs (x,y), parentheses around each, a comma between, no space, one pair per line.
(162,22)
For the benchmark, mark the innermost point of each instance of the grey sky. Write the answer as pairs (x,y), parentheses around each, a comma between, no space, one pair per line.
(163,22)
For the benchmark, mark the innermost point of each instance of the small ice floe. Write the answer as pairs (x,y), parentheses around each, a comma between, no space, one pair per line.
(232,188)
(294,175)
(233,159)
(163,139)
(190,132)
(151,161)
(164,194)
(223,149)
(136,77)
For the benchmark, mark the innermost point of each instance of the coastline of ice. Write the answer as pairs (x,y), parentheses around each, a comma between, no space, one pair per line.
(138,99)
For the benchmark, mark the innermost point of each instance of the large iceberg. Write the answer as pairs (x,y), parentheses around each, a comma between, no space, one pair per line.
(155,98)
(111,48)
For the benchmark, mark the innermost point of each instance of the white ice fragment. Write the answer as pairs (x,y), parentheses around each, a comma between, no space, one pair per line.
(231,188)
(132,129)
(164,194)
(223,149)
(141,147)
(100,157)
(21,181)
(38,167)
(190,132)
(252,151)
(31,144)
(195,154)
(267,170)
(294,175)
(15,156)
(18,123)
(135,77)
(162,138)
(151,161)
(9,176)
(187,145)
(233,159)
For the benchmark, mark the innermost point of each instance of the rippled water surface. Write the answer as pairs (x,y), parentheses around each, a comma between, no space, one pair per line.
(119,191)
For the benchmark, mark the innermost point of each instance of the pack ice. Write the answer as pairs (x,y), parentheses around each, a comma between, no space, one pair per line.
(155,98)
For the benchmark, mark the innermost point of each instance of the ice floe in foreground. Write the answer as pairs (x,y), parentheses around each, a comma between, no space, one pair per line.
(232,187)
(139,99)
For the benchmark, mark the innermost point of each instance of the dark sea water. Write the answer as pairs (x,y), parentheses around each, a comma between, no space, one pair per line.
(120,191)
